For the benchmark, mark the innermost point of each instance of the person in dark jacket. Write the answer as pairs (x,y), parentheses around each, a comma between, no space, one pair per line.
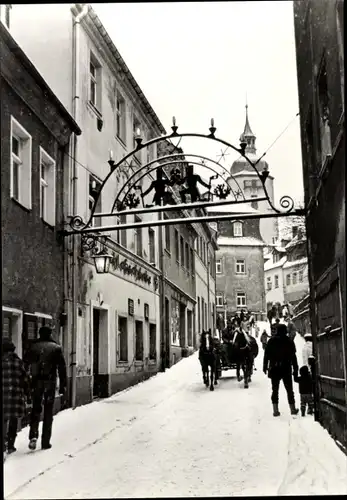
(305,390)
(44,359)
(264,338)
(15,390)
(279,361)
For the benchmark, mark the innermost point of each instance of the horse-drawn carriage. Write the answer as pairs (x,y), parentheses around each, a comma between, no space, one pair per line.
(229,355)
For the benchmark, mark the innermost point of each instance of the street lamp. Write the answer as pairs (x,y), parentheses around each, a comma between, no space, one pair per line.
(102,262)
(95,244)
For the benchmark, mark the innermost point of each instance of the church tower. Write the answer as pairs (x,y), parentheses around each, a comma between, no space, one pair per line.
(244,176)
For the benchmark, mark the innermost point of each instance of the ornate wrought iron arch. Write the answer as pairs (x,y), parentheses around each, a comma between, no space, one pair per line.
(286,202)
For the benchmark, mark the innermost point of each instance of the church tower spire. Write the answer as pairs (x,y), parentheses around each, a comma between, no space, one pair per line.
(248,136)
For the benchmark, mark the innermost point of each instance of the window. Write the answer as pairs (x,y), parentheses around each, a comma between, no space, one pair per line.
(276,281)
(177,246)
(152,342)
(138,341)
(240,266)
(238,230)
(95,82)
(219,300)
(138,237)
(167,230)
(121,117)
(240,299)
(288,280)
(151,243)
(301,276)
(47,188)
(123,338)
(192,263)
(247,184)
(20,164)
(182,251)
(94,189)
(219,266)
(268,283)
(187,257)
(295,278)
(136,132)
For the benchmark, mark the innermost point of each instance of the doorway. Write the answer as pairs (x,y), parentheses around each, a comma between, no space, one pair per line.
(167,342)
(182,325)
(96,353)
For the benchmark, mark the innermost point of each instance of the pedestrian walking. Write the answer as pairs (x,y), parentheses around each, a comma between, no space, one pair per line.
(305,390)
(264,337)
(15,390)
(307,349)
(44,358)
(291,328)
(279,361)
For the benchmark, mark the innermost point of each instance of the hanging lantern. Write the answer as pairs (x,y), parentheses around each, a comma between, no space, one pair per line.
(102,263)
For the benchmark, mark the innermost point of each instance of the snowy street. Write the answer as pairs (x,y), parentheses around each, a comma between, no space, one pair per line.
(170,436)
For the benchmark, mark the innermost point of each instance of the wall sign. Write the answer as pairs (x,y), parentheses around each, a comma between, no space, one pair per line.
(130,270)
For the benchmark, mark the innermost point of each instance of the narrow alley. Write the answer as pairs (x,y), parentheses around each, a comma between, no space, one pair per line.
(170,436)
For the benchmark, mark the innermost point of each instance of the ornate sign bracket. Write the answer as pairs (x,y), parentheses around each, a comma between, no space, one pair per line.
(175,180)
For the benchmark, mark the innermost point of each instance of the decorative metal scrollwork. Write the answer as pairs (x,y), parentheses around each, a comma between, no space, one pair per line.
(222,191)
(131,201)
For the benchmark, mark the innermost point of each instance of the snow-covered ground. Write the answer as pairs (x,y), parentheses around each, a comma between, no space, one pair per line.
(170,436)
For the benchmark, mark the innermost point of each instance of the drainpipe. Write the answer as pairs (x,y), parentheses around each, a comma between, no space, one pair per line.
(75,110)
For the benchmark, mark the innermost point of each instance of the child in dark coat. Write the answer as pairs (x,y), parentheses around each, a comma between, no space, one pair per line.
(305,390)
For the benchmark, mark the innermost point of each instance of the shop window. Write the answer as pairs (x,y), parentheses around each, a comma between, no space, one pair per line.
(123,338)
(138,341)
(152,341)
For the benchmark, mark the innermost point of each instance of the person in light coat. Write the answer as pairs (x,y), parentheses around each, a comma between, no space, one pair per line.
(307,349)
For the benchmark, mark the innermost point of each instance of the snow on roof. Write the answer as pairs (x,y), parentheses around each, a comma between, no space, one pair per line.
(240,241)
(280,249)
(273,265)
(238,208)
(295,262)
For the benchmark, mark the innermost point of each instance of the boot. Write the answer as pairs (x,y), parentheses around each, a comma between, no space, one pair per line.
(276,413)
(303,412)
(32,444)
(293,410)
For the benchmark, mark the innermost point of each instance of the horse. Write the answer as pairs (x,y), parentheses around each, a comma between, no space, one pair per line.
(208,358)
(243,345)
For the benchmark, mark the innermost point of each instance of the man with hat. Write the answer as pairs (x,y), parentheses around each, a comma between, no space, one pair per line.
(280,363)
(15,389)
(44,358)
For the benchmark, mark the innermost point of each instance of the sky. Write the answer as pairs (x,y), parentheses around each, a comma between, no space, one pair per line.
(198,61)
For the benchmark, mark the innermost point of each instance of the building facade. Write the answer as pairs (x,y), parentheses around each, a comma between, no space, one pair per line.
(35,138)
(115,335)
(286,271)
(319,30)
(239,266)
(244,178)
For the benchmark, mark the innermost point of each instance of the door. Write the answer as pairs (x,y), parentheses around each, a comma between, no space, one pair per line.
(96,349)
(182,325)
(167,333)
(190,327)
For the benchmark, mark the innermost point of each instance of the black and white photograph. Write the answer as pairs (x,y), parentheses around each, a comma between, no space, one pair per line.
(173,249)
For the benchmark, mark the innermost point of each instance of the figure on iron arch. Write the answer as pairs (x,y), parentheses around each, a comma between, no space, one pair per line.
(192,180)
(161,196)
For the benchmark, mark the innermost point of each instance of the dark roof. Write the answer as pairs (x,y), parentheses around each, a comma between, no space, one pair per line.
(28,65)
